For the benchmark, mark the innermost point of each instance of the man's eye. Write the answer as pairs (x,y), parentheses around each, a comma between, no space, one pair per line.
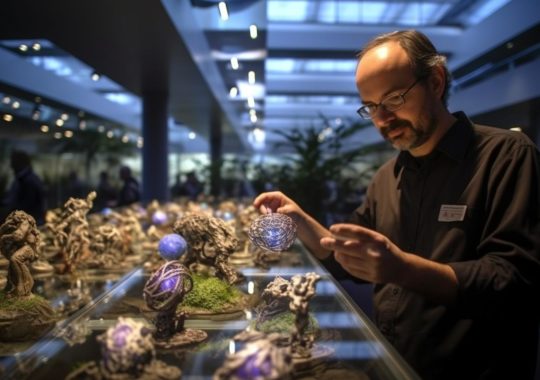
(393,100)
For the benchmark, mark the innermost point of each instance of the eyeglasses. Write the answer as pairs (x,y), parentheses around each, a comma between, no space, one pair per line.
(391,103)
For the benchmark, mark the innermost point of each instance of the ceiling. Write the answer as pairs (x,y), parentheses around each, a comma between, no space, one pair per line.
(303,59)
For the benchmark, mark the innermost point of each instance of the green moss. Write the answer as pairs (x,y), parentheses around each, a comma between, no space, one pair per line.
(283,323)
(210,293)
(28,303)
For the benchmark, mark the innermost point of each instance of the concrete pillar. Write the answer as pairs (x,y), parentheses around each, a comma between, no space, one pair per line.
(216,152)
(155,152)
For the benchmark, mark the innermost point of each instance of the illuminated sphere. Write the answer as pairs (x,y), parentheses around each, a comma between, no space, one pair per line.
(159,217)
(251,369)
(166,287)
(274,232)
(126,347)
(172,246)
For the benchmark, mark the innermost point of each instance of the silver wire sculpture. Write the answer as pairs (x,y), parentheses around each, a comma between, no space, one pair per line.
(274,232)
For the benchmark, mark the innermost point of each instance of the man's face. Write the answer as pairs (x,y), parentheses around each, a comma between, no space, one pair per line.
(383,73)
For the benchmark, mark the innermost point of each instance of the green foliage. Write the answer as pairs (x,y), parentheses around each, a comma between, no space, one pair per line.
(283,323)
(210,293)
(23,303)
(319,158)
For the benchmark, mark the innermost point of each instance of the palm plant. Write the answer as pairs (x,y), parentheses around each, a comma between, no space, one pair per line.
(319,159)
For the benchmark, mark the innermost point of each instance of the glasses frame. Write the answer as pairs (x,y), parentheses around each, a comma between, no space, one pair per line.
(368,110)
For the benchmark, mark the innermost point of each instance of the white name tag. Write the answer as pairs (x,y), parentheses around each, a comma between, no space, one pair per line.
(452,213)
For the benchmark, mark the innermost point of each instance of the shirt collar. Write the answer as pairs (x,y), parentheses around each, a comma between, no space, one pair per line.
(453,144)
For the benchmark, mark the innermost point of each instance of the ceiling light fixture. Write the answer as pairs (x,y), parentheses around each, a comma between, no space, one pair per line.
(251,102)
(36,112)
(234,63)
(36,46)
(95,76)
(223,12)
(7,117)
(251,77)
(44,128)
(23,47)
(233,92)
(16,104)
(253,31)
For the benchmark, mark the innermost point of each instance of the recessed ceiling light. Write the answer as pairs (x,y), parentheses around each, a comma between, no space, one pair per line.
(95,76)
(253,31)
(223,12)
(7,117)
(234,63)
(251,77)
(23,47)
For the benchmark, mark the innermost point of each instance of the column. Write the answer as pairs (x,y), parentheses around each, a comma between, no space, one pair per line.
(216,150)
(155,184)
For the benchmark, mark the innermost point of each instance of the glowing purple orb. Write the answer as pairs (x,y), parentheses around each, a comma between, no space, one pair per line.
(119,335)
(172,246)
(250,370)
(169,284)
(159,217)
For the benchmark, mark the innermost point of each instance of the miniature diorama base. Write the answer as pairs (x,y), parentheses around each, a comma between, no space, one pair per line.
(157,370)
(25,318)
(182,338)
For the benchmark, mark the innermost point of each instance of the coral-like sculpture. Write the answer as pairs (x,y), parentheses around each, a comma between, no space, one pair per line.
(163,291)
(72,232)
(127,352)
(274,232)
(107,247)
(210,242)
(299,291)
(261,358)
(19,242)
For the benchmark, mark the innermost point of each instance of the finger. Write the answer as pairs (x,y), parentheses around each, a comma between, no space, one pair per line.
(350,246)
(345,231)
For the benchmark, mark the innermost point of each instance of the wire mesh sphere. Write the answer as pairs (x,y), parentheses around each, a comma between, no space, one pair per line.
(172,247)
(274,232)
(166,287)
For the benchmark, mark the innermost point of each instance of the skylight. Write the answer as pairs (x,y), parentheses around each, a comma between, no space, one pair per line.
(291,65)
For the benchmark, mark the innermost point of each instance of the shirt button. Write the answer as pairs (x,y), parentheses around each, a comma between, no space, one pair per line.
(395,291)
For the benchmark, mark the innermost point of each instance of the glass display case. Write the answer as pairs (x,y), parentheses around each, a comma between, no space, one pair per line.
(357,350)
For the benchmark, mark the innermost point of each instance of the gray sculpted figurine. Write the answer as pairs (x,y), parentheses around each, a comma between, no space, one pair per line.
(19,241)
(210,242)
(299,291)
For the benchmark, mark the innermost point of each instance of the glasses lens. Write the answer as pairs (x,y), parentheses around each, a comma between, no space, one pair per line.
(364,112)
(393,102)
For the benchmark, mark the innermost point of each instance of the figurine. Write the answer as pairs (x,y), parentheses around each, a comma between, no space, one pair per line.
(19,242)
(127,352)
(71,232)
(107,248)
(23,315)
(210,243)
(261,358)
(163,291)
(298,291)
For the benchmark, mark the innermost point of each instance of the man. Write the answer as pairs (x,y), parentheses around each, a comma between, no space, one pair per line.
(27,192)
(449,231)
(129,193)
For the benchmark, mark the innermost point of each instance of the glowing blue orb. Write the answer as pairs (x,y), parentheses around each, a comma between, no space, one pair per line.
(274,232)
(172,246)
(159,217)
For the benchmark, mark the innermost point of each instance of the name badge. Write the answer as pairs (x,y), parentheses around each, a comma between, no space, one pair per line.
(452,213)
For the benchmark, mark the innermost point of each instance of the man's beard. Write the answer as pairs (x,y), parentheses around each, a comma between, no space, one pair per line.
(412,136)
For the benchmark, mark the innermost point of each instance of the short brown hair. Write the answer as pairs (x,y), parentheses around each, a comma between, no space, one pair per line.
(423,56)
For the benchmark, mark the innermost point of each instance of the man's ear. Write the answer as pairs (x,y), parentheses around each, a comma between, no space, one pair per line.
(437,81)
